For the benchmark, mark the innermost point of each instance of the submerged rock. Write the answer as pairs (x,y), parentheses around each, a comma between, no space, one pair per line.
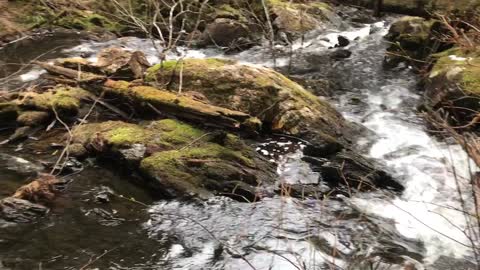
(19,165)
(180,160)
(355,172)
(282,105)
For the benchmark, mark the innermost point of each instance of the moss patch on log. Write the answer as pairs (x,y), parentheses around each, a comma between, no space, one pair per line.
(63,99)
(179,105)
(257,91)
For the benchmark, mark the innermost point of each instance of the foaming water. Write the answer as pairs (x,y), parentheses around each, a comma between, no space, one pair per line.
(431,170)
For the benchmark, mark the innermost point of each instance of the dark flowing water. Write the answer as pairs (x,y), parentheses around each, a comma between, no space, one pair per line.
(375,230)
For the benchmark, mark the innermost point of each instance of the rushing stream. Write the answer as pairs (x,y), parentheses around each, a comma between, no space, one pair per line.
(375,230)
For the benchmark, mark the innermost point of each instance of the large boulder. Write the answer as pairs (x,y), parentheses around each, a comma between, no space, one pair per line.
(282,105)
(229,33)
(411,39)
(296,18)
(453,85)
(180,160)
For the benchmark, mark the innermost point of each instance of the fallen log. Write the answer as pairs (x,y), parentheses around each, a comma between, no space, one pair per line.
(77,75)
(180,106)
(158,100)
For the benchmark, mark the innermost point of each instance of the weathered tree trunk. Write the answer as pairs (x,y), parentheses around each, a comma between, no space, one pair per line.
(180,106)
(76,75)
(377,8)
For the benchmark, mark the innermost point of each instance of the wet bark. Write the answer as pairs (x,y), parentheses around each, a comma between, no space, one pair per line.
(68,73)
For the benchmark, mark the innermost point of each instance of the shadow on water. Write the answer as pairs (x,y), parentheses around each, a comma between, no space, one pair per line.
(91,218)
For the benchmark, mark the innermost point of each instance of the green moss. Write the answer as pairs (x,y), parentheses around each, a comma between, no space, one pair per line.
(257,91)
(468,70)
(87,133)
(198,65)
(63,98)
(169,163)
(174,133)
(169,101)
(122,85)
(128,135)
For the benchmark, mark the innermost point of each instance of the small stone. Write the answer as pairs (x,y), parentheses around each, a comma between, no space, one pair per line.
(342,41)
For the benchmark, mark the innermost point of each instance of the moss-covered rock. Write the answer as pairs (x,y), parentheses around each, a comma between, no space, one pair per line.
(64,99)
(454,84)
(411,38)
(281,104)
(228,33)
(182,160)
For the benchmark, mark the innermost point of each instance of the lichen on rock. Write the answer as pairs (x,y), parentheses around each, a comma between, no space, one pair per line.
(281,104)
